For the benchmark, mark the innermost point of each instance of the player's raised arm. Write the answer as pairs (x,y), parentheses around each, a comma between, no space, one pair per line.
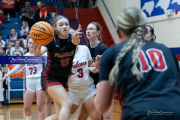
(76,36)
(39,50)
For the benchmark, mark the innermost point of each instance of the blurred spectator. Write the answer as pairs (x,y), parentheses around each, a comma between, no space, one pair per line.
(7,7)
(19,5)
(4,51)
(36,16)
(43,13)
(24,29)
(1,20)
(3,43)
(25,43)
(27,14)
(17,50)
(12,37)
(8,49)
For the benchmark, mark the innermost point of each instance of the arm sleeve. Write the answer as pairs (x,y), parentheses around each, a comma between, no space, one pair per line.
(16,68)
(50,46)
(106,64)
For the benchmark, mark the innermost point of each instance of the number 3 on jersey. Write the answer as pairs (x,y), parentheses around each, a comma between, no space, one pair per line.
(156,58)
(80,70)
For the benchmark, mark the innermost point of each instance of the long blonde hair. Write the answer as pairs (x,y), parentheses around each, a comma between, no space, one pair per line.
(132,22)
(55,23)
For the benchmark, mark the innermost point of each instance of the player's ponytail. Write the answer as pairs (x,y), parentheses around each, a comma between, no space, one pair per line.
(132,22)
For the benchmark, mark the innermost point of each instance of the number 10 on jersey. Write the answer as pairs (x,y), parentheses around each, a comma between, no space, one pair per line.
(156,58)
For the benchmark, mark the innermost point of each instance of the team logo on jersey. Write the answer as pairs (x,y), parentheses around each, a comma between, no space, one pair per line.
(77,64)
(64,55)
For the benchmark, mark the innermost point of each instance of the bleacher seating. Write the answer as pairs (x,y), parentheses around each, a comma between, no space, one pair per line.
(16,23)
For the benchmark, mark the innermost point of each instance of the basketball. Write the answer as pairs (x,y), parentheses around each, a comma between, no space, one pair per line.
(42,33)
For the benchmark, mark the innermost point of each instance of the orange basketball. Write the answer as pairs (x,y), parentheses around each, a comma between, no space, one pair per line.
(42,33)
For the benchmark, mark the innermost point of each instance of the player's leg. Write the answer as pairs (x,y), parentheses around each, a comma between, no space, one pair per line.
(89,105)
(28,99)
(75,97)
(61,98)
(40,104)
(88,100)
(54,116)
(109,114)
(48,102)
(83,114)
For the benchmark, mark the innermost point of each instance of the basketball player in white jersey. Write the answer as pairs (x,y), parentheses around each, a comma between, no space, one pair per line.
(33,85)
(81,85)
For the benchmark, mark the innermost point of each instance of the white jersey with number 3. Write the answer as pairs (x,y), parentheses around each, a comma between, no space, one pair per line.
(80,69)
(33,70)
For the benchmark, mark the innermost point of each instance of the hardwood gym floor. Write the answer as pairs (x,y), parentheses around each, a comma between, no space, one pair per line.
(15,112)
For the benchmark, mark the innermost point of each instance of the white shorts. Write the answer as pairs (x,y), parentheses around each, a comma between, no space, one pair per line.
(81,93)
(33,84)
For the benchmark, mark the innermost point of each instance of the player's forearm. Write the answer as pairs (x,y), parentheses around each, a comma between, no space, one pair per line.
(10,3)
(16,68)
(95,64)
(76,41)
(40,53)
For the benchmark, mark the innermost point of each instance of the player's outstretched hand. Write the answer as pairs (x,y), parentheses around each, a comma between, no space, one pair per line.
(78,32)
(93,69)
(37,49)
(4,78)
